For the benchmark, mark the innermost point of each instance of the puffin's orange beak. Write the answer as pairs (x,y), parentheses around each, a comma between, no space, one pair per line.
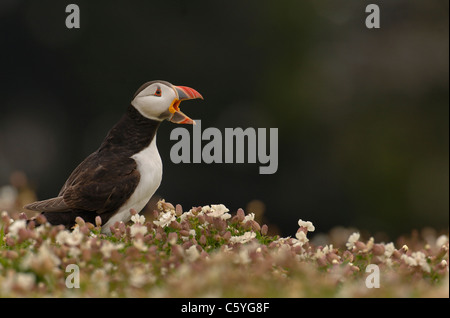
(184,93)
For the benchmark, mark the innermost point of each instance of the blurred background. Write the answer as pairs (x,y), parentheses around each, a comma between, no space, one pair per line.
(362,115)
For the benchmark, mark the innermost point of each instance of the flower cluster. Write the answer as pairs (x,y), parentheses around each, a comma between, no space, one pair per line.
(207,251)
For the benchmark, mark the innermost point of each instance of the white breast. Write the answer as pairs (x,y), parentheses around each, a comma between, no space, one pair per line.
(149,166)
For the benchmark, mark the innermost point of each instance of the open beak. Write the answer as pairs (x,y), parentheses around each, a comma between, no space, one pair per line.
(183,93)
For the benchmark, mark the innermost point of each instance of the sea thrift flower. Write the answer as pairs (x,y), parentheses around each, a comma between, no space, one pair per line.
(138,228)
(441,240)
(197,254)
(165,219)
(264,229)
(140,275)
(14,228)
(173,237)
(25,281)
(352,240)
(240,215)
(188,214)
(162,205)
(421,261)
(5,218)
(365,247)
(138,219)
(417,259)
(242,257)
(98,221)
(70,238)
(249,217)
(139,244)
(80,221)
(217,210)
(389,249)
(107,248)
(378,249)
(42,261)
(321,252)
(246,237)
(178,210)
(306,224)
(301,237)
(192,253)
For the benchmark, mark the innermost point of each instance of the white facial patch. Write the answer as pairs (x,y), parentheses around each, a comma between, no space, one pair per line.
(154,101)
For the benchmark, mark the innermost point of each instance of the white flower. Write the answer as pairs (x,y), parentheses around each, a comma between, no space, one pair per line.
(282,240)
(12,279)
(139,244)
(417,259)
(246,237)
(70,238)
(15,227)
(226,249)
(248,217)
(421,261)
(309,226)
(441,240)
(107,247)
(140,275)
(352,240)
(162,205)
(5,214)
(301,237)
(44,256)
(369,244)
(242,257)
(25,280)
(282,251)
(185,215)
(165,219)
(100,279)
(61,237)
(74,251)
(138,219)
(205,209)
(327,249)
(217,210)
(389,249)
(409,260)
(137,228)
(324,251)
(192,253)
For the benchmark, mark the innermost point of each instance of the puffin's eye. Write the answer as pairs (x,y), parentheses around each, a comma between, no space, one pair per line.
(158,92)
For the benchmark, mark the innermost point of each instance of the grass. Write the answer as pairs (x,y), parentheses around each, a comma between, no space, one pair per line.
(208,252)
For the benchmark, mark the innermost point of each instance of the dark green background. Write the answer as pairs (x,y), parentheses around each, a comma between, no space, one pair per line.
(363,115)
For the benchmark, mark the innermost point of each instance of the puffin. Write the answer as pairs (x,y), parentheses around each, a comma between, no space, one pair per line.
(126,170)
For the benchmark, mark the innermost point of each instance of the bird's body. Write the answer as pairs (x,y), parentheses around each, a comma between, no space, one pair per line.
(126,169)
(149,166)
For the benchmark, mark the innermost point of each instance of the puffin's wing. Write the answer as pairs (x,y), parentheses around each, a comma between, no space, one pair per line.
(51,205)
(96,185)
(101,186)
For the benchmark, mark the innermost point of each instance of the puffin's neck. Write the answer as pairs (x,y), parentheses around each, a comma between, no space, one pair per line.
(131,134)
